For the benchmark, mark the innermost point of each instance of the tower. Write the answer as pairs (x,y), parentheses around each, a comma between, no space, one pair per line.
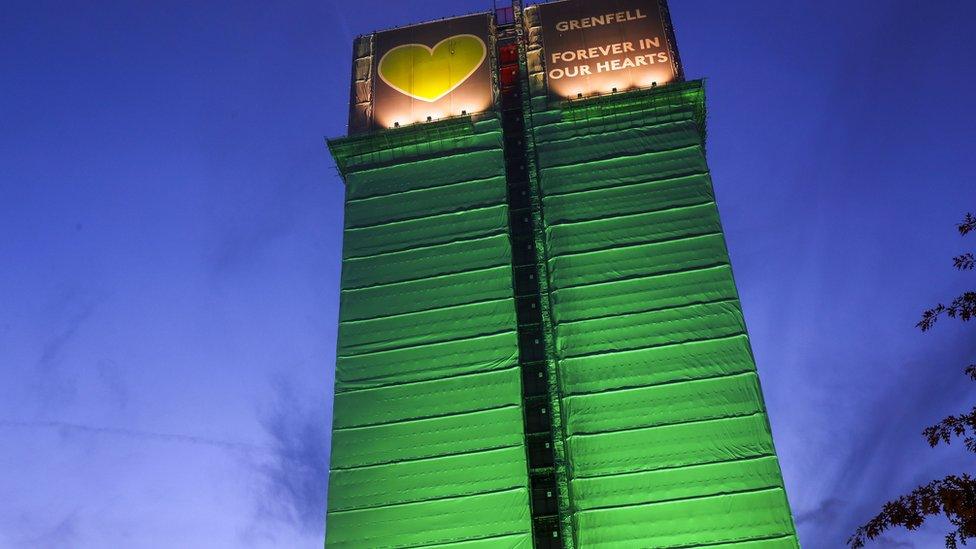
(540,341)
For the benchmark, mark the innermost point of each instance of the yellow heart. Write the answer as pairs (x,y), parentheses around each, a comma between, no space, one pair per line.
(429,74)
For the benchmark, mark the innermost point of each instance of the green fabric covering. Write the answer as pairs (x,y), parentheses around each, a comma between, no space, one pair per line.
(425,327)
(779,542)
(650,329)
(498,514)
(649,166)
(425,362)
(640,260)
(384,147)
(633,199)
(666,436)
(627,230)
(426,231)
(656,365)
(427,293)
(688,523)
(669,446)
(424,174)
(440,200)
(424,438)
(454,257)
(614,145)
(439,397)
(519,541)
(643,294)
(675,484)
(569,124)
(436,478)
(428,444)
(674,403)
(661,439)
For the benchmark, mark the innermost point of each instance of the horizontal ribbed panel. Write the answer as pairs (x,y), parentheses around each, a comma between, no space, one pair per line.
(498,514)
(669,446)
(439,397)
(690,523)
(683,402)
(425,174)
(424,362)
(668,136)
(666,435)
(624,170)
(654,328)
(677,484)
(436,478)
(425,438)
(426,327)
(635,261)
(568,126)
(656,365)
(425,231)
(424,202)
(626,230)
(644,294)
(427,293)
(414,264)
(428,448)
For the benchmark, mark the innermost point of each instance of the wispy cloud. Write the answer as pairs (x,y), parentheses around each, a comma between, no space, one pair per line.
(294,482)
(66,533)
(826,513)
(885,542)
(112,378)
(886,454)
(68,313)
(74,429)
(50,379)
(273,214)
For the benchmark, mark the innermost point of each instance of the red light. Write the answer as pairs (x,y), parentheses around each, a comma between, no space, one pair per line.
(508,55)
(509,76)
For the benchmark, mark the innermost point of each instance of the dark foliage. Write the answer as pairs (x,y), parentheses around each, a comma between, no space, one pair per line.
(962,307)
(954,496)
(968,225)
(953,426)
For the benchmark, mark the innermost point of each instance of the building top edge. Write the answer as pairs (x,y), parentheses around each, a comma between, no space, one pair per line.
(421,23)
(448,18)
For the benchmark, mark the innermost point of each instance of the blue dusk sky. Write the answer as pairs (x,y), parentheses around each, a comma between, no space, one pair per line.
(170,228)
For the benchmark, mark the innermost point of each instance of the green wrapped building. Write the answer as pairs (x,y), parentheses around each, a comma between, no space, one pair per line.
(540,340)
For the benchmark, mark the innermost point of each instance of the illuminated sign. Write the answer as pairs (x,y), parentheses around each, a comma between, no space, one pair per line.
(596,47)
(430,71)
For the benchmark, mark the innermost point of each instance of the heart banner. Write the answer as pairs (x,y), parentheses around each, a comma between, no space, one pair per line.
(428,74)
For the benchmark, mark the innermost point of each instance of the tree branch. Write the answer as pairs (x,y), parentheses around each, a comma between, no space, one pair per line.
(953,426)
(954,497)
(963,308)
(968,225)
(965,262)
